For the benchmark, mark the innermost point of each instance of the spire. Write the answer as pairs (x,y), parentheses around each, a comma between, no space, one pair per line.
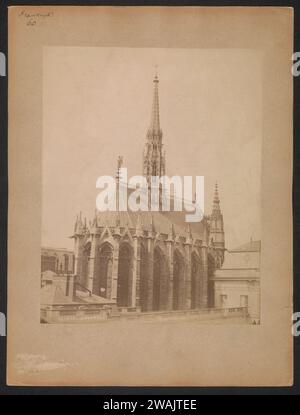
(154,124)
(119,166)
(79,225)
(118,179)
(117,230)
(95,221)
(171,234)
(76,224)
(216,202)
(138,226)
(188,235)
(152,224)
(154,163)
(216,230)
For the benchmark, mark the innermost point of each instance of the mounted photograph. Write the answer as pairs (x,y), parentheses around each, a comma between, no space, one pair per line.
(150,208)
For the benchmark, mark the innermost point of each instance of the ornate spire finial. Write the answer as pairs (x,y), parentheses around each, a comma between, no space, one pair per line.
(120,161)
(76,224)
(118,177)
(119,165)
(188,234)
(95,221)
(171,234)
(152,223)
(156,74)
(138,226)
(155,124)
(117,231)
(216,191)
(216,202)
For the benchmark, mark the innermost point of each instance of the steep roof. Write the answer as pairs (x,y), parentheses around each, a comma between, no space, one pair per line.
(162,222)
(241,260)
(245,257)
(252,246)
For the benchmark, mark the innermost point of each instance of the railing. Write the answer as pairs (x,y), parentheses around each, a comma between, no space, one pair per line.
(198,310)
(55,313)
(95,311)
(75,307)
(212,312)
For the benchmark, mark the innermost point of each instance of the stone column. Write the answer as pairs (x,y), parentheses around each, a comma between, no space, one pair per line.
(204,276)
(77,254)
(187,273)
(91,265)
(112,283)
(170,249)
(164,285)
(198,285)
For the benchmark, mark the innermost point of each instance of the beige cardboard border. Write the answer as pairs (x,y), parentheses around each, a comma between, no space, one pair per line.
(137,354)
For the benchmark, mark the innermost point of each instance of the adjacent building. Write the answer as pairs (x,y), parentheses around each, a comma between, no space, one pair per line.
(57,260)
(237,283)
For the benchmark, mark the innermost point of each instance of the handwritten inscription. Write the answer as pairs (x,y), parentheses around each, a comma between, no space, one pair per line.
(33,18)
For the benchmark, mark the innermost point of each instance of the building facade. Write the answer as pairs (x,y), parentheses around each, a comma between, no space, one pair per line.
(58,260)
(237,283)
(150,260)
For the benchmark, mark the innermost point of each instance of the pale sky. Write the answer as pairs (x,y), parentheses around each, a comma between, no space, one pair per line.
(97,105)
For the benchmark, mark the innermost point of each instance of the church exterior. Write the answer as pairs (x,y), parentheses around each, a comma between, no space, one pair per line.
(150,261)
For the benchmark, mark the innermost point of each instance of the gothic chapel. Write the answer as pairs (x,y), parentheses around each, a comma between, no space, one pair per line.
(150,261)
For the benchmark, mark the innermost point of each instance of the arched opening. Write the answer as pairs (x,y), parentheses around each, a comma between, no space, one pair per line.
(211,292)
(143,279)
(48,263)
(66,264)
(195,281)
(158,270)
(102,275)
(124,276)
(178,280)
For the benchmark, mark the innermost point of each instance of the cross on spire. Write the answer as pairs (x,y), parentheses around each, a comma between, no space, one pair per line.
(154,123)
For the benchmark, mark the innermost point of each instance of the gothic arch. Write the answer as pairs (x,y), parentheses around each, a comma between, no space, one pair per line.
(103,270)
(85,264)
(211,266)
(158,279)
(159,244)
(143,277)
(195,280)
(178,280)
(124,275)
(179,247)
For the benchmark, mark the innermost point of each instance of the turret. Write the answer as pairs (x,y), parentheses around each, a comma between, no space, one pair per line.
(217,235)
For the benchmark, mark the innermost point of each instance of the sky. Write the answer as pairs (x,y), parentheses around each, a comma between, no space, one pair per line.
(97,105)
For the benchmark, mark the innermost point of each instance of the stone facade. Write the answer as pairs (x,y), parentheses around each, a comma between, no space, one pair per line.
(237,283)
(150,260)
(58,260)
